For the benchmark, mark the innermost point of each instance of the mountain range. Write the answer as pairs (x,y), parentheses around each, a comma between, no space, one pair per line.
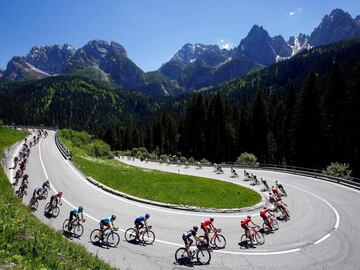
(194,66)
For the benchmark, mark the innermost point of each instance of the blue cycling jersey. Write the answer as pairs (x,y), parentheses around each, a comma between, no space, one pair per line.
(106,220)
(75,211)
(141,219)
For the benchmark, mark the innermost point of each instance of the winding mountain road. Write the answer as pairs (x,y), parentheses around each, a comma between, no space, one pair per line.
(323,232)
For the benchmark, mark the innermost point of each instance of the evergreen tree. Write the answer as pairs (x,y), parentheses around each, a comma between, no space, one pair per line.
(308,126)
(288,129)
(260,122)
(333,103)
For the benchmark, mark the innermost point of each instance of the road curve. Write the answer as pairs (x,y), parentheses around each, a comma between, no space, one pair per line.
(322,232)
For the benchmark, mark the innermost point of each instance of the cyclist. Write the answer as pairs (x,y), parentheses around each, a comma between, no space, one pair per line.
(264,213)
(23,187)
(75,214)
(141,222)
(275,191)
(17,177)
(187,238)
(107,222)
(280,187)
(206,225)
(245,225)
(38,194)
(46,184)
(55,200)
(272,198)
(281,205)
(234,173)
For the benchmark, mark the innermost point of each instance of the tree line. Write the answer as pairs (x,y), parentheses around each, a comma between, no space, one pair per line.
(310,126)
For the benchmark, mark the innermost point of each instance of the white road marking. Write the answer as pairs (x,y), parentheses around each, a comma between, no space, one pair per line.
(322,239)
(178,245)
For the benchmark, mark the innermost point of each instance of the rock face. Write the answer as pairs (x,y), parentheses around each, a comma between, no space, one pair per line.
(111,59)
(257,46)
(50,59)
(199,54)
(19,69)
(339,25)
(299,43)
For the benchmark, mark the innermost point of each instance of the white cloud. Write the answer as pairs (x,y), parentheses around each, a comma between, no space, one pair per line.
(296,11)
(223,44)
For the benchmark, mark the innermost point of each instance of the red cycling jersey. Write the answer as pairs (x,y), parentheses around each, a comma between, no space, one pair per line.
(275,191)
(205,223)
(245,221)
(263,213)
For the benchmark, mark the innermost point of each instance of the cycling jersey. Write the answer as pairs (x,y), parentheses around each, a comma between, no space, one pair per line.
(206,223)
(140,219)
(263,213)
(75,211)
(189,233)
(245,221)
(106,220)
(275,191)
(38,191)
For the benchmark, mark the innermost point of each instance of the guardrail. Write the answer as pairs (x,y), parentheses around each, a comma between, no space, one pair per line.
(62,148)
(315,173)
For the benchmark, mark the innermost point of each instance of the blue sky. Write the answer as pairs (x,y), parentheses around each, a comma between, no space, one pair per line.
(153,30)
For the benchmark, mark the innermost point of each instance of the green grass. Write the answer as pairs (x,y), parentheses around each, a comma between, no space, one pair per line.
(27,242)
(160,186)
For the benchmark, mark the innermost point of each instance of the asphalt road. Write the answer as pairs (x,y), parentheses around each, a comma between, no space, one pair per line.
(323,232)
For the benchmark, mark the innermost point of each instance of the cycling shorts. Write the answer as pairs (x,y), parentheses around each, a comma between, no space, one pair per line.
(187,240)
(138,223)
(244,227)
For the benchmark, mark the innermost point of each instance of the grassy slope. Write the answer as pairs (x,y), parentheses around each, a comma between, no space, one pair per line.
(27,242)
(161,186)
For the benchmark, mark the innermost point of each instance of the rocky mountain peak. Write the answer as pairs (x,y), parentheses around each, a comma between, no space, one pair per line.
(50,59)
(336,26)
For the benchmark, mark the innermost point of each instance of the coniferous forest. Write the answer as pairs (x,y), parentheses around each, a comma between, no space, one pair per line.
(303,112)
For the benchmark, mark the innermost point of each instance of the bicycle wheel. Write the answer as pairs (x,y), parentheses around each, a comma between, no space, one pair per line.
(203,256)
(130,235)
(55,211)
(244,241)
(113,239)
(78,230)
(275,224)
(65,225)
(220,241)
(34,204)
(266,227)
(201,243)
(259,237)
(95,236)
(46,209)
(148,237)
(181,255)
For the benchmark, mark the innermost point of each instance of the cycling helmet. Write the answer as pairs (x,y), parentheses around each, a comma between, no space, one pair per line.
(264,207)
(147,216)
(249,217)
(113,217)
(212,219)
(81,208)
(195,228)
(26,176)
(60,193)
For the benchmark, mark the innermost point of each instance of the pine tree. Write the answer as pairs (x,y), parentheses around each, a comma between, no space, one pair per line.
(260,122)
(333,103)
(308,126)
(288,128)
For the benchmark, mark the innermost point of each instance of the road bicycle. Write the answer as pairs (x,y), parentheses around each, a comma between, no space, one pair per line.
(145,235)
(199,254)
(34,204)
(52,210)
(75,228)
(110,237)
(258,237)
(217,240)
(21,192)
(274,225)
